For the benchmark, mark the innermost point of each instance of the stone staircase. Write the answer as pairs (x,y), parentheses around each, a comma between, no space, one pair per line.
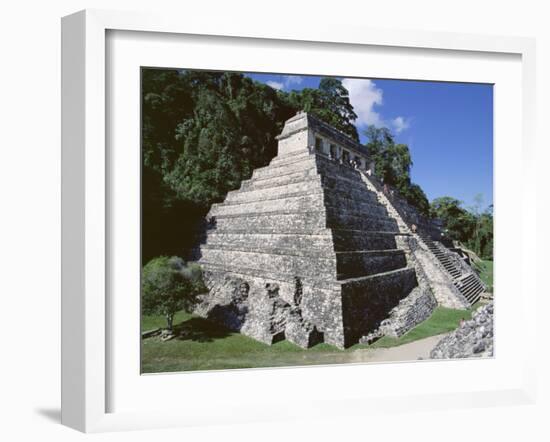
(375,187)
(443,255)
(464,278)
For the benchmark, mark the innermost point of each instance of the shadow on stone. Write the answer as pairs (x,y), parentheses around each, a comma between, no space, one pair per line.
(200,330)
(231,316)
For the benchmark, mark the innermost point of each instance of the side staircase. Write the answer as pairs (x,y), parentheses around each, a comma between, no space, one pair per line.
(464,279)
(461,274)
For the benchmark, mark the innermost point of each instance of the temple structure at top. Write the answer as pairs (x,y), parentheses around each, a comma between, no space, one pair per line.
(313,248)
(304,130)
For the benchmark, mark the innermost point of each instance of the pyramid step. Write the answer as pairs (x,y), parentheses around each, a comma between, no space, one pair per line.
(478,291)
(469,281)
(466,282)
(320,250)
(357,208)
(474,296)
(338,219)
(290,157)
(471,290)
(348,264)
(464,278)
(352,191)
(475,289)
(369,262)
(320,282)
(287,178)
(345,240)
(322,266)
(299,164)
(310,202)
(253,193)
(282,221)
(257,240)
(260,197)
(351,177)
(406,273)
(471,294)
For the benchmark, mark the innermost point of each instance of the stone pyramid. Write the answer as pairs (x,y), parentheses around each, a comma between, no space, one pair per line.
(304,250)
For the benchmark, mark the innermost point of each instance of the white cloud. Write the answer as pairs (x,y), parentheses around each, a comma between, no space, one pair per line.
(275,85)
(364,95)
(400,124)
(290,80)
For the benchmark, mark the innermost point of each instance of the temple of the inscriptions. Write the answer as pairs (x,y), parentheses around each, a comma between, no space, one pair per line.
(313,248)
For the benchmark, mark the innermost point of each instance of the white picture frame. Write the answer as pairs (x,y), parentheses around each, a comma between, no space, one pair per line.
(86,352)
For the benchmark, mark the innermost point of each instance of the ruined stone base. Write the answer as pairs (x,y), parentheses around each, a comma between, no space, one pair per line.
(411,311)
(302,313)
(270,311)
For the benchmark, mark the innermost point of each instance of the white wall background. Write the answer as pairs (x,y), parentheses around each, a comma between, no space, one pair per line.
(30,214)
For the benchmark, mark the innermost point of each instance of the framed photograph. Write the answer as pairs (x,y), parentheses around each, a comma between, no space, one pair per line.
(285,223)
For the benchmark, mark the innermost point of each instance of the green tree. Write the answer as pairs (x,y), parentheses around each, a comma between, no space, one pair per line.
(169,285)
(393,164)
(329,102)
(486,234)
(473,227)
(482,238)
(459,223)
(203,133)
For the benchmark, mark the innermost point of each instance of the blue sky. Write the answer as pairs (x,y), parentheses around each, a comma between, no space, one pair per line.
(447,126)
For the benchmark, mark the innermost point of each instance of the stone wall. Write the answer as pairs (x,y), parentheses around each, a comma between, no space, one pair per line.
(441,285)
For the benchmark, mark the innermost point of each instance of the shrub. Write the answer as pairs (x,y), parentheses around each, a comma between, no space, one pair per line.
(169,285)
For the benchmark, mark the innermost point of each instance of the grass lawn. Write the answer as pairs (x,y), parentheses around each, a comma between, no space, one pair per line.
(207,346)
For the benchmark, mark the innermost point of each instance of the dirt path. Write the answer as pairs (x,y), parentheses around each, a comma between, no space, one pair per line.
(405,352)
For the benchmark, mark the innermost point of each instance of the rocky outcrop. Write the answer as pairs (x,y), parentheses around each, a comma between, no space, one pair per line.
(474,338)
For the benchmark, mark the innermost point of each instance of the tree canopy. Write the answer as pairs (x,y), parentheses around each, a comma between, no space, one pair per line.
(393,164)
(471,227)
(329,102)
(169,285)
(203,133)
